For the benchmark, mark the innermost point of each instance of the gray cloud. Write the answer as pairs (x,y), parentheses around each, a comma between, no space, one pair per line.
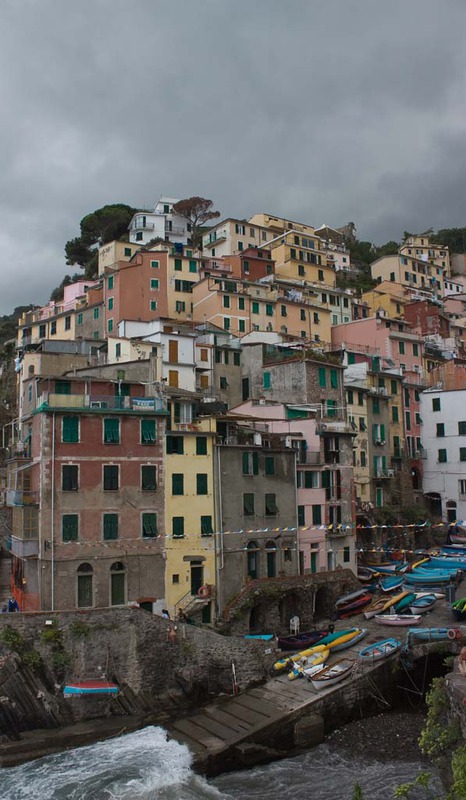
(331,111)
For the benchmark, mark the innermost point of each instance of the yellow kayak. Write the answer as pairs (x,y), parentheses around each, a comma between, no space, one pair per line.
(284,662)
(305,663)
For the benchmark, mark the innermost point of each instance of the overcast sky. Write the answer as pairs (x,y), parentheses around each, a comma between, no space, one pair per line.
(325,111)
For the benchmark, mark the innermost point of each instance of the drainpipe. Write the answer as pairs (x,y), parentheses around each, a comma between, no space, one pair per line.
(218,540)
(52,514)
(296,507)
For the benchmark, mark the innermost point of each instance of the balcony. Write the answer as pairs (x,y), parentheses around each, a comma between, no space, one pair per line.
(20,497)
(24,547)
(309,457)
(383,474)
(175,230)
(100,403)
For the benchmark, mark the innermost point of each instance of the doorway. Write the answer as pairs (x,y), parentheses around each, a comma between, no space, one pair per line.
(197,576)
(117,584)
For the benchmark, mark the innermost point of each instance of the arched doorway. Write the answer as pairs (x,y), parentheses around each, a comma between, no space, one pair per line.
(323,605)
(252,566)
(271,551)
(85,592)
(288,607)
(117,584)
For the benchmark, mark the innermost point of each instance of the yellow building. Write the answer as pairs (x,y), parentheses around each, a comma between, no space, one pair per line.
(419,265)
(387,296)
(78,316)
(190,516)
(301,258)
(420,247)
(279,225)
(113,252)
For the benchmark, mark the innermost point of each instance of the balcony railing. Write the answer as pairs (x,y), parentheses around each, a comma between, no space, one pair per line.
(309,457)
(383,474)
(20,497)
(101,402)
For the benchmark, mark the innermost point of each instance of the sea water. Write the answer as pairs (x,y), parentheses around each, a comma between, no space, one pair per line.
(146,766)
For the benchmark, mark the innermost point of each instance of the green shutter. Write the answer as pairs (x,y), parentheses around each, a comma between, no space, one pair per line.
(266,380)
(70,430)
(255,463)
(110,526)
(246,464)
(178,483)
(322,381)
(201,445)
(201,483)
(111,431)
(206,526)
(375,433)
(382,432)
(269,465)
(148,431)
(178,526)
(334,379)
(317,515)
(149,525)
(70,527)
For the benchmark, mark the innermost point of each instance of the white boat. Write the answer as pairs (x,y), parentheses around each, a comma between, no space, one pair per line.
(333,674)
(398,619)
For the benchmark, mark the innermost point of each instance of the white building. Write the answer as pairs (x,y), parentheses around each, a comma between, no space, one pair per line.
(443,415)
(160,223)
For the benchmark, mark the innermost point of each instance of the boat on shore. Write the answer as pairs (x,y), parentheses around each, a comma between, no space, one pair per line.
(300,641)
(299,667)
(404,603)
(429,634)
(350,598)
(398,619)
(90,687)
(326,642)
(391,582)
(421,605)
(366,574)
(354,607)
(333,674)
(348,640)
(378,650)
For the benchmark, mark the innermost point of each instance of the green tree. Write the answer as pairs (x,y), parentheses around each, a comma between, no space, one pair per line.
(197,211)
(101,226)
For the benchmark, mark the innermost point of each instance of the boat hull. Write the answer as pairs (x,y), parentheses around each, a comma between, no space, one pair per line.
(90,687)
(301,640)
(332,674)
(398,619)
(379,650)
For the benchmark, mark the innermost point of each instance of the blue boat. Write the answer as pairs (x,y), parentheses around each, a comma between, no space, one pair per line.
(266,637)
(391,583)
(428,634)
(429,579)
(422,604)
(445,562)
(454,548)
(404,603)
(380,649)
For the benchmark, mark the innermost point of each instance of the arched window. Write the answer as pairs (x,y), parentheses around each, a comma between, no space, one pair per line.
(117,584)
(253,559)
(85,588)
(271,550)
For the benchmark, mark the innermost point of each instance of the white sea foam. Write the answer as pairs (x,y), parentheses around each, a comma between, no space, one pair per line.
(138,766)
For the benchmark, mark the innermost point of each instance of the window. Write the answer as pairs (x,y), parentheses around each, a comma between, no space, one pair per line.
(226,323)
(201,445)
(69,478)
(462,428)
(148,431)
(110,303)
(248,504)
(334,379)
(394,387)
(442,456)
(178,264)
(177,483)
(375,405)
(415,349)
(70,430)
(440,429)
(67,323)
(436,404)
(362,424)
(401,348)
(360,398)
(149,525)
(42,331)
(346,554)
(317,515)
(255,307)
(175,444)
(462,453)
(363,458)
(301,271)
(153,305)
(177,526)
(320,275)
(395,417)
(241,303)
(192,266)
(111,282)
(242,326)
(111,431)
(139,236)
(206,526)
(270,505)
(408,420)
(236,359)
(301,516)
(462,487)
(201,483)
(283,311)
(148,478)
(331,408)
(110,325)
(268,310)
(269,465)
(111,477)
(322,380)
(350,397)
(110,527)
(266,380)
(53,328)
(155,264)
(118,350)
(69,527)
(154,284)
(223,383)
(316,318)
(226,301)
(250,463)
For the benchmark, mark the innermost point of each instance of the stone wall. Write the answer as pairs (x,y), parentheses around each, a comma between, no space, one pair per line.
(128,646)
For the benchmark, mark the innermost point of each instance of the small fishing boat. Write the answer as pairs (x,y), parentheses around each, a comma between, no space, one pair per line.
(398,619)
(429,579)
(389,567)
(355,606)
(299,667)
(458,549)
(366,574)
(390,583)
(332,674)
(348,640)
(90,687)
(378,650)
(453,562)
(349,598)
(429,634)
(300,641)
(265,637)
(421,605)
(327,641)
(458,538)
(404,603)
(377,607)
